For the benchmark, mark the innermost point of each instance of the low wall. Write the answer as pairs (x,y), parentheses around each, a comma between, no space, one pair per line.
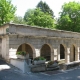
(71,65)
(38,68)
(21,64)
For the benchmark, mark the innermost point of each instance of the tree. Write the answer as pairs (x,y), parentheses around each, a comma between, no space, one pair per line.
(19,20)
(45,8)
(28,13)
(39,18)
(70,17)
(7,11)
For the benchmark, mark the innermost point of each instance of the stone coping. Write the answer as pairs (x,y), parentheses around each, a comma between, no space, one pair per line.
(37,27)
(74,62)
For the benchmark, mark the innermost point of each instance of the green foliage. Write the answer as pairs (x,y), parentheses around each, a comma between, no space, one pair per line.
(39,18)
(42,16)
(45,8)
(70,17)
(39,58)
(7,11)
(52,62)
(28,14)
(19,20)
(23,53)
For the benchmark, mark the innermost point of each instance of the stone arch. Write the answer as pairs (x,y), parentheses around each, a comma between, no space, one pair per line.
(72,52)
(46,51)
(62,51)
(28,48)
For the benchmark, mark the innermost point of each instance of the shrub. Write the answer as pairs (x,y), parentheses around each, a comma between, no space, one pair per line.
(52,62)
(23,53)
(39,58)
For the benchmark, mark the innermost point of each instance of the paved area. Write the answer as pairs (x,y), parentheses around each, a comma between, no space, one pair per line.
(9,72)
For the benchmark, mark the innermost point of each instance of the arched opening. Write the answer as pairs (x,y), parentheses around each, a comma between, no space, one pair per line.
(62,52)
(72,55)
(27,48)
(46,52)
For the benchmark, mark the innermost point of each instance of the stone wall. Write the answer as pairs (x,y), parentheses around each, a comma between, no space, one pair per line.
(36,38)
(35,31)
(36,44)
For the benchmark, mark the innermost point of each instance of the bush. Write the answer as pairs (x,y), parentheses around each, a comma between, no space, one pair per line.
(52,62)
(23,53)
(39,58)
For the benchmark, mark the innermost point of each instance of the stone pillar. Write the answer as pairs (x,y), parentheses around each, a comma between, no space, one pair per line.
(58,55)
(5,48)
(37,52)
(67,55)
(52,55)
(55,53)
(77,54)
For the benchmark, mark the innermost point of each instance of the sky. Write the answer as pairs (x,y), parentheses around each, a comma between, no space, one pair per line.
(24,5)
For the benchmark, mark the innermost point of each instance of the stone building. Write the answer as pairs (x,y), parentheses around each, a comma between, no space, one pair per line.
(51,44)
